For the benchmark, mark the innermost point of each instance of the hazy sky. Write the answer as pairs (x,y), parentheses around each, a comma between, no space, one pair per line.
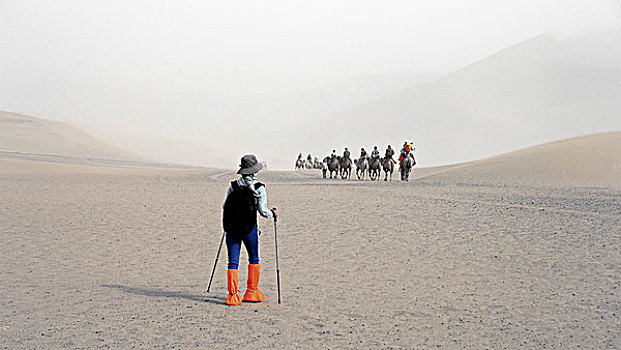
(267,46)
(53,53)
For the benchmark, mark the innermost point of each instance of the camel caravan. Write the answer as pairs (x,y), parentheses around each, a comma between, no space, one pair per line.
(307,163)
(366,165)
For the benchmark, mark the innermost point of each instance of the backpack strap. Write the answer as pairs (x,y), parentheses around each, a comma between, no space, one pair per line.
(235,185)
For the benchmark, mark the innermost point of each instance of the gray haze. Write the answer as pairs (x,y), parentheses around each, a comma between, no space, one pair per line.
(207,81)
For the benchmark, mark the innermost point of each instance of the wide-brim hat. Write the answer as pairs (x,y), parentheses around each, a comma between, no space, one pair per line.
(249,165)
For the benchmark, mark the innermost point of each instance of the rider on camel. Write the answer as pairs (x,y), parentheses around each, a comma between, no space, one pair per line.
(406,151)
(375,153)
(300,162)
(346,154)
(389,153)
(363,153)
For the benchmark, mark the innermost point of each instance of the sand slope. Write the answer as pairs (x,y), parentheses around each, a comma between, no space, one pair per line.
(20,133)
(592,160)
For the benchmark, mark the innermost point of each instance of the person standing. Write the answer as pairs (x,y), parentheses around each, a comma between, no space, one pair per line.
(245,196)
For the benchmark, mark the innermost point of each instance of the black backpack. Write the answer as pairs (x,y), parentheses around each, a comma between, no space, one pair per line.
(240,210)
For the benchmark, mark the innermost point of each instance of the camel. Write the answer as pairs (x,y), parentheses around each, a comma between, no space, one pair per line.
(345,165)
(299,164)
(374,168)
(406,165)
(362,165)
(333,166)
(389,166)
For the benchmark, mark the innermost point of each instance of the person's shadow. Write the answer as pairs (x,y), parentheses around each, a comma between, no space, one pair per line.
(165,294)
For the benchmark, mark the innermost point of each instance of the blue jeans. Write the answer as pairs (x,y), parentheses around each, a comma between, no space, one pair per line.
(233,246)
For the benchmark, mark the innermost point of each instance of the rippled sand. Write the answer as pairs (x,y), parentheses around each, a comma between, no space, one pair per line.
(94,257)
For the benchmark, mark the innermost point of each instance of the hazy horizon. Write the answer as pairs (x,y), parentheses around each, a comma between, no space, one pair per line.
(213,75)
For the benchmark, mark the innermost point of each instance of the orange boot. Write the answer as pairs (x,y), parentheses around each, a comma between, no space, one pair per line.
(234,298)
(252,292)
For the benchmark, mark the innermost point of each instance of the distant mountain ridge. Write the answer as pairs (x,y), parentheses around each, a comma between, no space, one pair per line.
(527,94)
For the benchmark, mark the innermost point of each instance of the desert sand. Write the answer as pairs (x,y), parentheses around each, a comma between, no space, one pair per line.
(516,251)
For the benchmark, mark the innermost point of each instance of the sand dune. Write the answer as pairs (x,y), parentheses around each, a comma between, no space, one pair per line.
(25,134)
(592,160)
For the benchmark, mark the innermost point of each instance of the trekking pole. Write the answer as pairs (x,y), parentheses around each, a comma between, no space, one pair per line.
(216,263)
(276,247)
